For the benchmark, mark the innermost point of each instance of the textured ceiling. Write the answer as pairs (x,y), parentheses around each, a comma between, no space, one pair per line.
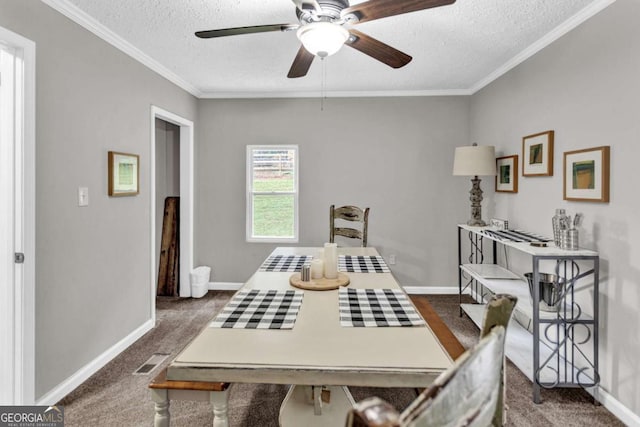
(455,49)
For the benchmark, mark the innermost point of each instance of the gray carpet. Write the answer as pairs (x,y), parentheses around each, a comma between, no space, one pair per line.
(115,397)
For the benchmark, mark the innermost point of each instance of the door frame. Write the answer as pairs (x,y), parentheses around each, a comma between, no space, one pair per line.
(21,356)
(186,200)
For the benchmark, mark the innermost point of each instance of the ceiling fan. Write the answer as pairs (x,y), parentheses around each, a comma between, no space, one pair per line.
(325,25)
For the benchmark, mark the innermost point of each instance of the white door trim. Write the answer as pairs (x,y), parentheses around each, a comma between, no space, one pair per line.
(22,352)
(186,200)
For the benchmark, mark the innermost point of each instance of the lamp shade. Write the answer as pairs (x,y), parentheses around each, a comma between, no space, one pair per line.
(322,38)
(475,160)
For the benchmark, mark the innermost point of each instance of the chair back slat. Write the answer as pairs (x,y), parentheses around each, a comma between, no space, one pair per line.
(349,213)
(350,233)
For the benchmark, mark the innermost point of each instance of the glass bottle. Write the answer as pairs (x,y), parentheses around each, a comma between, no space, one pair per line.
(560,221)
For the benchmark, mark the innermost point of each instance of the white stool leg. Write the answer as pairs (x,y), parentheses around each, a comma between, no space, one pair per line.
(220,401)
(161,399)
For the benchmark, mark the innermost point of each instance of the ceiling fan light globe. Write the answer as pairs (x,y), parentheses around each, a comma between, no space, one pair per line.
(322,38)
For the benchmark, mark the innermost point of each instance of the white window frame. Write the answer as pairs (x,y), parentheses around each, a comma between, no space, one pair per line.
(251,193)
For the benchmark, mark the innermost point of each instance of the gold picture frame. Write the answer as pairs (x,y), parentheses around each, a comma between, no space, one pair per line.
(124,174)
(537,154)
(586,175)
(507,174)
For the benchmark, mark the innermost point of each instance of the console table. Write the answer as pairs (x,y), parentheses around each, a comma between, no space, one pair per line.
(554,349)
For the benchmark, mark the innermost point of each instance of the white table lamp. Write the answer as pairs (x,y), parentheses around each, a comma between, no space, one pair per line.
(475,160)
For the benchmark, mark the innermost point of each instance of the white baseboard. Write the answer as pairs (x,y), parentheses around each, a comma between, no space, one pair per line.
(616,407)
(68,385)
(224,286)
(417,290)
(431,290)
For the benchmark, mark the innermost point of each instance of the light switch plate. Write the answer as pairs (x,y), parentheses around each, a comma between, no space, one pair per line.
(83,196)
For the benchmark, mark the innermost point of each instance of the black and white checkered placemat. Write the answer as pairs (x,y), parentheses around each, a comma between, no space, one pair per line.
(376,307)
(280,263)
(516,236)
(362,264)
(260,309)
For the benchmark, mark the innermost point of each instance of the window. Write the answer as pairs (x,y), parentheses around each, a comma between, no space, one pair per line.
(272,193)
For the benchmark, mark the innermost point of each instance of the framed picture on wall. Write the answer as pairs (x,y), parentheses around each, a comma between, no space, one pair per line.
(537,154)
(507,174)
(124,174)
(586,175)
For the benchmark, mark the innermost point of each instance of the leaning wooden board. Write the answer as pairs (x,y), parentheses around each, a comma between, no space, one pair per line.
(168,270)
(323,284)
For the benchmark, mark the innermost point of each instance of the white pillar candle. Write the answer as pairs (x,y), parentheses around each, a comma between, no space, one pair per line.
(330,260)
(317,268)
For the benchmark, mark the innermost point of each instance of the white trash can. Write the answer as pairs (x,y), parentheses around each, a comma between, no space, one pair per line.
(199,279)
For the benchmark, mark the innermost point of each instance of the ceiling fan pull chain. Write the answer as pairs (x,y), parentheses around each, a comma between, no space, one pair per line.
(323,83)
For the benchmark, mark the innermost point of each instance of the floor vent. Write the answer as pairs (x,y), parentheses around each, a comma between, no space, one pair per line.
(153,362)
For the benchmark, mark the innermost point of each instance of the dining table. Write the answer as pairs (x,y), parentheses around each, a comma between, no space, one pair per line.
(365,333)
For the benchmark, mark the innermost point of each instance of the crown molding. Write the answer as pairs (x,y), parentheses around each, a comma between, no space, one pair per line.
(334,94)
(81,18)
(545,41)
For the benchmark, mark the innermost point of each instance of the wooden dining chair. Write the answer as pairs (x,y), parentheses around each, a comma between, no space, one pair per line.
(349,213)
(470,393)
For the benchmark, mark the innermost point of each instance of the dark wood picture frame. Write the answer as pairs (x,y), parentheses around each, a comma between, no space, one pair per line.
(586,175)
(537,154)
(507,174)
(124,174)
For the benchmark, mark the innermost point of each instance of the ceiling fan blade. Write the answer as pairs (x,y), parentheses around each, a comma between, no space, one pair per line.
(308,5)
(376,9)
(377,50)
(246,30)
(301,64)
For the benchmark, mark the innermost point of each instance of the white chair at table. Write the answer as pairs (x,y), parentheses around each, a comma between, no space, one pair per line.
(470,393)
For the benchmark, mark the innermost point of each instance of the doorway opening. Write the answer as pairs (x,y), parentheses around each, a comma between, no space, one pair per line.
(167,207)
(184,129)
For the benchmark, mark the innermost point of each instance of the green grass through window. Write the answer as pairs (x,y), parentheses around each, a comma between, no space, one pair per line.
(273,215)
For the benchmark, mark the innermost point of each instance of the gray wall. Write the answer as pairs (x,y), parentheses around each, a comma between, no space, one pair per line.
(92,275)
(585,86)
(392,154)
